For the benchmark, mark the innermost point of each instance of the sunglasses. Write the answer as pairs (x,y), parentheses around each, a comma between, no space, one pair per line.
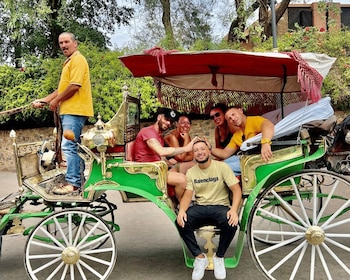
(216,115)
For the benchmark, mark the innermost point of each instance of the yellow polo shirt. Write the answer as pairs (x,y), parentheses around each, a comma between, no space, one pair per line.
(252,127)
(76,71)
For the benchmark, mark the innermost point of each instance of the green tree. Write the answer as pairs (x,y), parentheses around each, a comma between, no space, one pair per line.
(33,26)
(19,87)
(174,24)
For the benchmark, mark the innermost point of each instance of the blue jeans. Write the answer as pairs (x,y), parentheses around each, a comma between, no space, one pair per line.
(75,165)
(234,163)
(203,215)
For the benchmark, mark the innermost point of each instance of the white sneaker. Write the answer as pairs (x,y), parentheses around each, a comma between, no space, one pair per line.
(199,267)
(219,267)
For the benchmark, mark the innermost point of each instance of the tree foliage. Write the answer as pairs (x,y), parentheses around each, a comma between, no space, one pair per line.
(32,27)
(19,87)
(175,24)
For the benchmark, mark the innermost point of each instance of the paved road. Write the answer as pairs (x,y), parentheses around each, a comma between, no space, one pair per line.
(148,245)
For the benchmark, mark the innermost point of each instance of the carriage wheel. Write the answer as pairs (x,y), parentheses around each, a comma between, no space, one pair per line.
(60,247)
(307,218)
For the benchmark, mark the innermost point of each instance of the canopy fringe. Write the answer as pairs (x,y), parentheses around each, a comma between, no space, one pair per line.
(309,78)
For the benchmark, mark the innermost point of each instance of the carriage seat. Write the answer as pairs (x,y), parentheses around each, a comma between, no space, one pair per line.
(321,110)
(129,151)
(129,156)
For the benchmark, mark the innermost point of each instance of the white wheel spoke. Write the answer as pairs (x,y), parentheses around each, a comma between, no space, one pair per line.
(304,221)
(290,209)
(288,256)
(340,245)
(96,259)
(44,256)
(70,230)
(276,246)
(333,225)
(64,273)
(90,233)
(312,263)
(92,242)
(59,227)
(48,234)
(279,218)
(40,268)
(336,213)
(71,270)
(80,228)
(297,265)
(335,257)
(56,270)
(324,263)
(326,203)
(48,246)
(97,251)
(90,268)
(80,269)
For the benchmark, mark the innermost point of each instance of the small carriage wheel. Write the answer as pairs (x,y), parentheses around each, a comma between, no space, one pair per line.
(311,228)
(67,251)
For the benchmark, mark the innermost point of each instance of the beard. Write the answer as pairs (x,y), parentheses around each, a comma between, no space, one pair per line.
(163,126)
(203,160)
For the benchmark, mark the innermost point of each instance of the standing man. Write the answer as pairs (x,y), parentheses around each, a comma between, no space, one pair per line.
(210,180)
(248,126)
(149,147)
(73,102)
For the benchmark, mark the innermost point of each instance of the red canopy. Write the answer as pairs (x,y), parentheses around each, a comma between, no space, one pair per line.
(204,74)
(206,62)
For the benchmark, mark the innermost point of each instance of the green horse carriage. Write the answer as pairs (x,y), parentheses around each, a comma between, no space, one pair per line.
(295,208)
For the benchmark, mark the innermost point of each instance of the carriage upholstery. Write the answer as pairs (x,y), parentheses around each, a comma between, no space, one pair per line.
(321,110)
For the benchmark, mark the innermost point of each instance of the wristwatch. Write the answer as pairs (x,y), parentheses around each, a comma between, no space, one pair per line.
(265,140)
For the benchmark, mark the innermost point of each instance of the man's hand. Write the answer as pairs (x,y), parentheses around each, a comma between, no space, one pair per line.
(181,218)
(39,103)
(53,104)
(232,217)
(189,146)
(266,153)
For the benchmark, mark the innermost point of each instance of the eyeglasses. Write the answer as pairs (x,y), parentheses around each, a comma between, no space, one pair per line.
(216,115)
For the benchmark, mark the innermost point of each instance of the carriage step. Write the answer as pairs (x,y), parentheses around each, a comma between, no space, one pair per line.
(42,185)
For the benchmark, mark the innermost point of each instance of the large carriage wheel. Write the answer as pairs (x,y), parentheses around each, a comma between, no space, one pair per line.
(60,247)
(307,217)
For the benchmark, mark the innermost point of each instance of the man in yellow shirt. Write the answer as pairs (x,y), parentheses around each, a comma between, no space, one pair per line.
(249,126)
(73,100)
